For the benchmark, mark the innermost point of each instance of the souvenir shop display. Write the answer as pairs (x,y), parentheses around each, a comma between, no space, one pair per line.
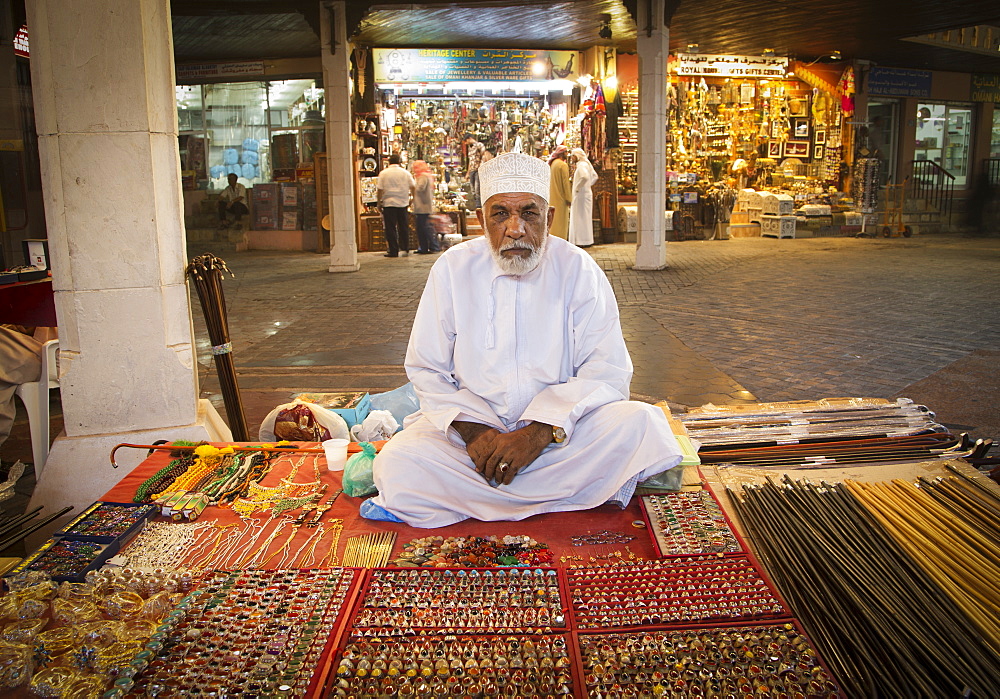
(746,660)
(677,590)
(753,581)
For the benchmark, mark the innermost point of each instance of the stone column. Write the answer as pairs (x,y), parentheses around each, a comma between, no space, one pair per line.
(653,44)
(336,56)
(103,82)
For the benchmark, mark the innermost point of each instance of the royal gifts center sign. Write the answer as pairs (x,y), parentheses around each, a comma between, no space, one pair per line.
(448,65)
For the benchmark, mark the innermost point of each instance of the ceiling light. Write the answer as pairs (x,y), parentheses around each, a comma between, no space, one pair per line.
(835,56)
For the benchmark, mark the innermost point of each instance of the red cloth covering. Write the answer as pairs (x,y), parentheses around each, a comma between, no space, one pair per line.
(554,529)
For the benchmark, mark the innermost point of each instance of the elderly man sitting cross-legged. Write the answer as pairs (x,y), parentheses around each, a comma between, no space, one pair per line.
(518,359)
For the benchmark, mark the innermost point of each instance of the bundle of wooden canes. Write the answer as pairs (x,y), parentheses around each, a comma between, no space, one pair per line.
(206,273)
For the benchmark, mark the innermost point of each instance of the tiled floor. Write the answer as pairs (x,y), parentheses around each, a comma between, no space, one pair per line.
(728,321)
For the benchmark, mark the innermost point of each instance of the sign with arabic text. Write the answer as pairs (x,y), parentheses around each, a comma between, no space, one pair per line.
(445,65)
(193,71)
(985,87)
(899,82)
(722,66)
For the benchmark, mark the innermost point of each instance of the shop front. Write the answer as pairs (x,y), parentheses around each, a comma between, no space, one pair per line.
(267,129)
(427,102)
(741,123)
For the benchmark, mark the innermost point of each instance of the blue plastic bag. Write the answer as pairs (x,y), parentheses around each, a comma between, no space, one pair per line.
(400,402)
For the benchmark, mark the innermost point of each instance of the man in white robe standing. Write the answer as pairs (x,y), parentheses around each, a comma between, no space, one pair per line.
(518,360)
(581,211)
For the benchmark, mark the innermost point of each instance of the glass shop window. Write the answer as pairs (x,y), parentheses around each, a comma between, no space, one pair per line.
(259,131)
(944,136)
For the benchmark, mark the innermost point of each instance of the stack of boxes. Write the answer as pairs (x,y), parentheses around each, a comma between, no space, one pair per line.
(266,206)
(740,225)
(776,215)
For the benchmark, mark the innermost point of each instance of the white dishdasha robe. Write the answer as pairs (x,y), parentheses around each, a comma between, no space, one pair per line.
(504,350)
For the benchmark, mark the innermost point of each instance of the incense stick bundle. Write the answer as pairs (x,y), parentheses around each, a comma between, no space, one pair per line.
(369,550)
(878,618)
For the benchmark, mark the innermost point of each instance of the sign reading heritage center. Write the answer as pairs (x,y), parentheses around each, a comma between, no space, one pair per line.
(729,66)
(445,65)
(899,82)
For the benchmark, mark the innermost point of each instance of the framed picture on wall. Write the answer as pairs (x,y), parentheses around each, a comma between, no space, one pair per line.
(775,129)
(800,129)
(796,149)
(774,149)
(819,150)
(385,144)
(819,136)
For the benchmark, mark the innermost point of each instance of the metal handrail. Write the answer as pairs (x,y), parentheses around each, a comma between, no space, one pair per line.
(932,183)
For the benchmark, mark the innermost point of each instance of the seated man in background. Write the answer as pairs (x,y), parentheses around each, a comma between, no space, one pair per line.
(20,362)
(233,200)
(518,360)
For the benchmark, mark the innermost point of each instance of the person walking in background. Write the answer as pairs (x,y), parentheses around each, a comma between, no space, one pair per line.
(394,188)
(423,207)
(581,213)
(560,194)
(476,152)
(233,199)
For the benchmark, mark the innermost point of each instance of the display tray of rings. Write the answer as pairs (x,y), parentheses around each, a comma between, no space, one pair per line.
(250,633)
(689,523)
(757,660)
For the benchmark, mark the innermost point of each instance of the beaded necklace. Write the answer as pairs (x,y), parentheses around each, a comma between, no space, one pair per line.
(163,478)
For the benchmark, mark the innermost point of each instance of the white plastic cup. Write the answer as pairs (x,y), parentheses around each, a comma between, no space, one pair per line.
(336,453)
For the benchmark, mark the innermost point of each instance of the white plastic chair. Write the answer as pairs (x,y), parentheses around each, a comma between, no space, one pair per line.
(35,396)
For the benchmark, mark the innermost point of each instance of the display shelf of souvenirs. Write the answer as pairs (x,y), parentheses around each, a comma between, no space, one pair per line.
(433,126)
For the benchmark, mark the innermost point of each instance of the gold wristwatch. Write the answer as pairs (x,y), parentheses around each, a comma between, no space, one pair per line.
(558,434)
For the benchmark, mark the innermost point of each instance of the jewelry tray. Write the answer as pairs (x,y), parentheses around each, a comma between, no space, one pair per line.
(76,528)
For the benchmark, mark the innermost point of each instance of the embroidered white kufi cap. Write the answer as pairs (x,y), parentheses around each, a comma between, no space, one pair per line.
(514,172)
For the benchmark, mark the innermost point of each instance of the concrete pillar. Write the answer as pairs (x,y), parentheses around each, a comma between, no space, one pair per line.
(336,56)
(653,44)
(103,82)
